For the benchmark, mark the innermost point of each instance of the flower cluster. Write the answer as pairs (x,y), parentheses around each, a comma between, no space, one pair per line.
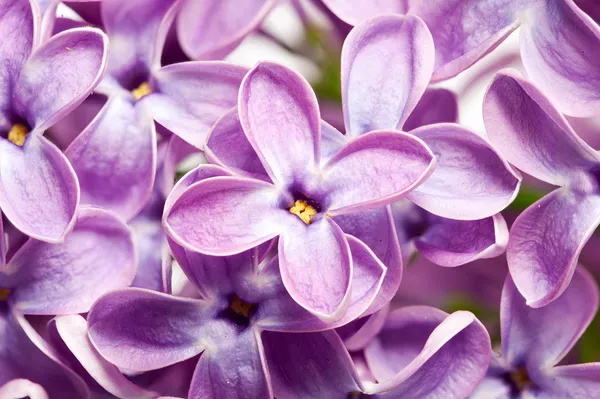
(312,248)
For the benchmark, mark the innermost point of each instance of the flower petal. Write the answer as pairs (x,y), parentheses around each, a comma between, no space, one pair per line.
(189,97)
(359,333)
(470,181)
(225,215)
(59,75)
(531,133)
(39,192)
(140,330)
(22,388)
(19,28)
(98,256)
(280,116)
(386,66)
(73,332)
(465,31)
(571,382)
(558,43)
(212,29)
(235,369)
(375,169)
(450,243)
(542,337)
(309,365)
(115,158)
(316,267)
(436,106)
(353,12)
(546,240)
(437,355)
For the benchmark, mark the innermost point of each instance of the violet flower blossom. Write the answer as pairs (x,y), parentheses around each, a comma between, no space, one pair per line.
(547,238)
(240,296)
(419,352)
(559,42)
(535,340)
(49,279)
(41,83)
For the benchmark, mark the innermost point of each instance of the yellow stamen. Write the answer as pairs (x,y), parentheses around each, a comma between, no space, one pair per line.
(17,134)
(4,293)
(520,378)
(303,211)
(68,48)
(240,307)
(142,90)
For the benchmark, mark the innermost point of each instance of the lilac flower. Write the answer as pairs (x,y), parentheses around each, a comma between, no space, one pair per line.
(559,42)
(115,156)
(280,117)
(66,278)
(41,83)
(421,352)
(141,330)
(535,340)
(547,238)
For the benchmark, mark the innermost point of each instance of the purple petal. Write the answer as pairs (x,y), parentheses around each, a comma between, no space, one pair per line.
(354,12)
(436,355)
(154,261)
(465,31)
(228,147)
(225,215)
(452,243)
(558,47)
(436,106)
(374,170)
(280,116)
(358,334)
(189,97)
(73,332)
(234,369)
(26,355)
(376,228)
(141,330)
(316,267)
(309,365)
(22,388)
(470,181)
(212,29)
(19,28)
(571,382)
(39,179)
(59,75)
(136,30)
(542,337)
(385,54)
(98,256)
(531,133)
(546,240)
(115,158)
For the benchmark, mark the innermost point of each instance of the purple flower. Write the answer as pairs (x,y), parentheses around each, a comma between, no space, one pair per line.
(535,340)
(559,42)
(115,157)
(240,297)
(280,117)
(40,84)
(420,352)
(547,238)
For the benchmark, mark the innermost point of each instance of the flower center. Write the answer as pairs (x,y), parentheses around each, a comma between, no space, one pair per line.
(142,90)
(304,211)
(4,293)
(520,379)
(240,307)
(17,134)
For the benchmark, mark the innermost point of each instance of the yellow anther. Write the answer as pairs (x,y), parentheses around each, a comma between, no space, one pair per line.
(17,134)
(4,294)
(520,378)
(303,211)
(142,90)
(240,307)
